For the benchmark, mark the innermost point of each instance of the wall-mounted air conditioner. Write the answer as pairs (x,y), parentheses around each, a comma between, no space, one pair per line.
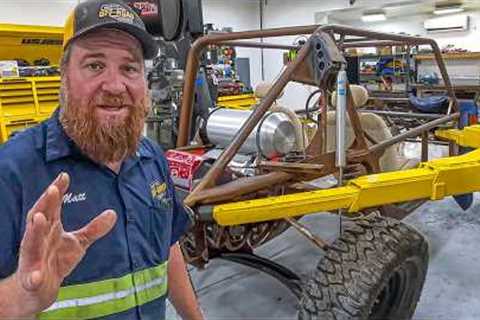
(447,24)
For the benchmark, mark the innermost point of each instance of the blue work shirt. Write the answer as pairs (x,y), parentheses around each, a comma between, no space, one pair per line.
(150,218)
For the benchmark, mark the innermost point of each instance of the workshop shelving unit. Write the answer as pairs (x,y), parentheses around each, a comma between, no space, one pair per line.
(26,101)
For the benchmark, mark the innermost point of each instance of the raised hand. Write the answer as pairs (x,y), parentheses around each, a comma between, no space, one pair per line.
(47,253)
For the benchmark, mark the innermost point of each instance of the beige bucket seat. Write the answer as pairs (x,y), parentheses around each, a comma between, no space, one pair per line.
(374,126)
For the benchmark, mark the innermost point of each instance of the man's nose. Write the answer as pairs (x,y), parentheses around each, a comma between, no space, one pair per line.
(114,83)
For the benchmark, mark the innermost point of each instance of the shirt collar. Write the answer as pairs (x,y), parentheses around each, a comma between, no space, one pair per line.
(58,145)
(143,151)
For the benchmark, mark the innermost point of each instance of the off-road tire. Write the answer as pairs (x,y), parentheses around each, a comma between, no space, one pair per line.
(375,270)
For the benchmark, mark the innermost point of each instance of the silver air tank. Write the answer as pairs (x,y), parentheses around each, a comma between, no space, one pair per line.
(273,136)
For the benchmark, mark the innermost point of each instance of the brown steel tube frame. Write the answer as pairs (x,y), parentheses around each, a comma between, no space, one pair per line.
(228,38)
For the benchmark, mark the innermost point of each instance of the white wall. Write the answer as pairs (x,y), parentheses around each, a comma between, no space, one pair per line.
(282,13)
(241,15)
(414,26)
(36,12)
(467,40)
(285,13)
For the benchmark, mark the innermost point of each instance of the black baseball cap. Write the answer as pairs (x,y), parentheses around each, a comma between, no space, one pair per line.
(92,15)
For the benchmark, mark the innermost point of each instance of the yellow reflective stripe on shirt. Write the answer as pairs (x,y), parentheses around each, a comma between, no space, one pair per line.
(102,298)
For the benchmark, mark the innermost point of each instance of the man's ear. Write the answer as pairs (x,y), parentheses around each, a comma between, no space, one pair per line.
(148,101)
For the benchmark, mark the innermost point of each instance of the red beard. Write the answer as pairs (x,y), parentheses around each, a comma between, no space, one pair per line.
(102,141)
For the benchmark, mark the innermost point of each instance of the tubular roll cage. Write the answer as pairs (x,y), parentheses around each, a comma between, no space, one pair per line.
(345,37)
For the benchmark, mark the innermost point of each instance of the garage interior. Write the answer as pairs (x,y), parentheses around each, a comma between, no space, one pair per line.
(399,81)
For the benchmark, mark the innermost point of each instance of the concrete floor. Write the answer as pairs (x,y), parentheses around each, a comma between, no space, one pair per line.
(452,289)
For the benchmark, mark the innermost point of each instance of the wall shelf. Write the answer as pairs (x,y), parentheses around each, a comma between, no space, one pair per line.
(451,56)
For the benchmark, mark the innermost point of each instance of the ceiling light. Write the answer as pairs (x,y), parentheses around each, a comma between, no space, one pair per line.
(374,16)
(448,9)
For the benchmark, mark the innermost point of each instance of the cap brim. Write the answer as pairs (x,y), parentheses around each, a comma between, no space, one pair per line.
(149,46)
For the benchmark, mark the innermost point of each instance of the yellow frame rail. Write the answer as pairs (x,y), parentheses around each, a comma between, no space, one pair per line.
(468,137)
(432,180)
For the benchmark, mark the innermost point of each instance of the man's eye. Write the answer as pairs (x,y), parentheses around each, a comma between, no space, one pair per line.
(131,69)
(95,66)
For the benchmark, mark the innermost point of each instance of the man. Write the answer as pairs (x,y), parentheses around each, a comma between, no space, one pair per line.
(93,147)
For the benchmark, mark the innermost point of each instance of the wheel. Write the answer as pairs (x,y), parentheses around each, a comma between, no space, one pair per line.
(375,270)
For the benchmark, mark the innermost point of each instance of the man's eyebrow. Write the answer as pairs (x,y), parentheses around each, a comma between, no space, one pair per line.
(133,59)
(137,55)
(93,55)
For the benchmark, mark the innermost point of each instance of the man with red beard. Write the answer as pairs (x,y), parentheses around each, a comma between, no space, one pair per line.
(60,258)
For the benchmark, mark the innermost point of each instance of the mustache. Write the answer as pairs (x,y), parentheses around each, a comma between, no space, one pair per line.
(112,100)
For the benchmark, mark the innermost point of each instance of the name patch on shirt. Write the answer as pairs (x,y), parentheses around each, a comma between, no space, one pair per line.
(158,190)
(72,198)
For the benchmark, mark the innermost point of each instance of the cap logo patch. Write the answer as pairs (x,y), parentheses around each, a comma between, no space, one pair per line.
(146,8)
(117,12)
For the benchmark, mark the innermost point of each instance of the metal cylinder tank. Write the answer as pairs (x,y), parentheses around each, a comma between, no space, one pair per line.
(162,18)
(273,136)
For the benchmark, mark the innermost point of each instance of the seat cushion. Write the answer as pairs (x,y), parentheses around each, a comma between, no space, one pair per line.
(376,128)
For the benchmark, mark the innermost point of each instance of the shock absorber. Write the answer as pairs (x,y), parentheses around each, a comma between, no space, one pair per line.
(340,138)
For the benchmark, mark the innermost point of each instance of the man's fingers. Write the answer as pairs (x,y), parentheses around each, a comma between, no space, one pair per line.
(59,187)
(50,202)
(32,247)
(62,182)
(44,201)
(32,252)
(97,228)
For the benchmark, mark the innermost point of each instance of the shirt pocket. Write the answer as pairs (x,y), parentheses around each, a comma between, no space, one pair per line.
(163,205)
(160,234)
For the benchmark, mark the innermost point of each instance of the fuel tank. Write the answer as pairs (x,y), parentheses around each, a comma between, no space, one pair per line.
(274,136)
